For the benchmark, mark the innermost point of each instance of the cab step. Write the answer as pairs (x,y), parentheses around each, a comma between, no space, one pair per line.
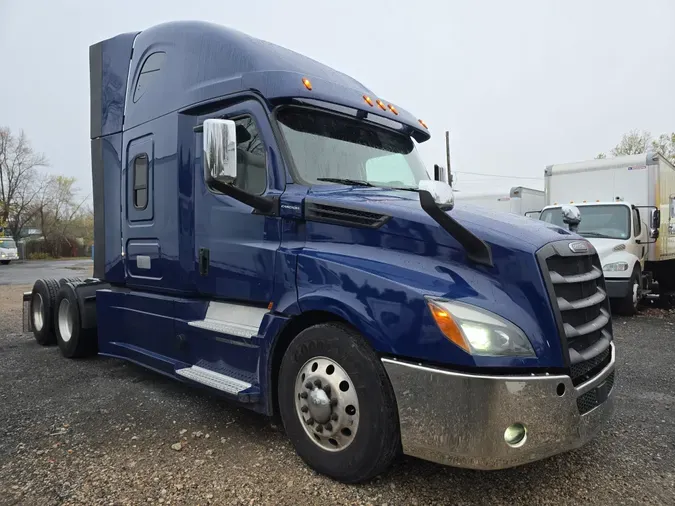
(245,392)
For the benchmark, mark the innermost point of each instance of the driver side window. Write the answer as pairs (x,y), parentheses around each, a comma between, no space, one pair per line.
(637,226)
(390,169)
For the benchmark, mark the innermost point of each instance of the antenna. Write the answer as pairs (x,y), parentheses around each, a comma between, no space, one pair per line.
(447,156)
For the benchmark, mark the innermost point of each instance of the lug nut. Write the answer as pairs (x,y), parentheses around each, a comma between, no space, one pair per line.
(310,421)
(304,409)
(326,388)
(334,417)
(333,402)
(309,385)
(303,395)
(317,382)
(329,426)
(319,428)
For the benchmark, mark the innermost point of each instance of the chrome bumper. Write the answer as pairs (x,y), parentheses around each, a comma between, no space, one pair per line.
(459,419)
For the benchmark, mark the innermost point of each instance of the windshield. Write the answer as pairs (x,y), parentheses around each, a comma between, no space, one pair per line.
(329,146)
(611,222)
(7,243)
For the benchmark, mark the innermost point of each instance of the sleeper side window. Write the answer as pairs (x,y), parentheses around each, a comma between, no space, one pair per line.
(151,69)
(141,181)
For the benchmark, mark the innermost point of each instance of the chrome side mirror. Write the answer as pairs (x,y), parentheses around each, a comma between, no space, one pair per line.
(220,150)
(571,216)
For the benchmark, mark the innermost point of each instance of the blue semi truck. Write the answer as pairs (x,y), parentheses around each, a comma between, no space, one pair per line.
(265,229)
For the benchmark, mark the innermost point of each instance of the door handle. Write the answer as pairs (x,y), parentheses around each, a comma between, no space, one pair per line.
(204,257)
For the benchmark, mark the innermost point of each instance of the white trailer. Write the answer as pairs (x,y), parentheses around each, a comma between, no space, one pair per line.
(627,207)
(520,200)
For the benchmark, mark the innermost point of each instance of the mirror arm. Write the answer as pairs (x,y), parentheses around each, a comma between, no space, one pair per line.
(477,250)
(262,204)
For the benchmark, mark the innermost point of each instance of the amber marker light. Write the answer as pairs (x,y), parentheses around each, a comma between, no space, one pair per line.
(448,326)
(307,83)
(368,100)
(381,104)
(393,109)
(423,124)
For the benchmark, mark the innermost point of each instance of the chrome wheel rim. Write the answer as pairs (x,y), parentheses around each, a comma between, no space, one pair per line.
(327,404)
(65,320)
(38,312)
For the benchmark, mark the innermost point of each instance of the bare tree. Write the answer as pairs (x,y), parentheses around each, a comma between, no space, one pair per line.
(59,214)
(665,145)
(19,184)
(634,142)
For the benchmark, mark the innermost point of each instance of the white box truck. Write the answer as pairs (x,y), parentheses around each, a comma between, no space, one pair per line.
(520,200)
(627,207)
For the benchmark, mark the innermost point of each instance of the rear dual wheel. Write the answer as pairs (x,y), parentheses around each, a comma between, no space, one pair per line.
(337,404)
(73,340)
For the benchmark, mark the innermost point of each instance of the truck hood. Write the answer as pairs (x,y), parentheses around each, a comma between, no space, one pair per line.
(605,247)
(408,219)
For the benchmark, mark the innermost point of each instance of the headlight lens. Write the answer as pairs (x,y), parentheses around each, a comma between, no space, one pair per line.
(478,331)
(616,266)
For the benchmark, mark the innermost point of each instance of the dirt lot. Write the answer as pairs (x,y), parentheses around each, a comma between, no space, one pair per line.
(100,432)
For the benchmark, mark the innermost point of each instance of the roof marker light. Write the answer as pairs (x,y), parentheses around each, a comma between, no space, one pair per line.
(423,124)
(393,109)
(307,83)
(381,104)
(368,100)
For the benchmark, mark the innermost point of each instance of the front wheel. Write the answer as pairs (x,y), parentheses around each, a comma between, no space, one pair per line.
(337,404)
(5,262)
(628,305)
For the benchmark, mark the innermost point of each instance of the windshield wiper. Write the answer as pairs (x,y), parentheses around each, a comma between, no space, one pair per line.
(353,182)
(595,234)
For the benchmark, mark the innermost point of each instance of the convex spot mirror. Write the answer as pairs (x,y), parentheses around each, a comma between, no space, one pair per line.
(440,191)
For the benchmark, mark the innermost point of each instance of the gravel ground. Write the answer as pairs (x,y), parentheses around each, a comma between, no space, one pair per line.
(101,432)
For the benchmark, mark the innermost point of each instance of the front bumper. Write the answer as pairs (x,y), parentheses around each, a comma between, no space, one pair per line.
(618,287)
(459,419)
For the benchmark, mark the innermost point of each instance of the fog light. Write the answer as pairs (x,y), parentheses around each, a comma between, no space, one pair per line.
(515,435)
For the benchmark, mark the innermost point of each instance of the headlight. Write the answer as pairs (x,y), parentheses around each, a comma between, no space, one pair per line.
(616,266)
(477,331)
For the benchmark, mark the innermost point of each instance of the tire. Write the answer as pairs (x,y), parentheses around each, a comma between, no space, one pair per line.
(73,340)
(628,305)
(368,406)
(41,311)
(63,281)
(5,262)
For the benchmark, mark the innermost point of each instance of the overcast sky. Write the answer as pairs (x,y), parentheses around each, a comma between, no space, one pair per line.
(520,84)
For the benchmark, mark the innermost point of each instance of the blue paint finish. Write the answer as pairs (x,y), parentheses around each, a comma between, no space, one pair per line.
(150,253)
(242,244)
(205,61)
(134,324)
(112,174)
(376,279)
(108,101)
(157,223)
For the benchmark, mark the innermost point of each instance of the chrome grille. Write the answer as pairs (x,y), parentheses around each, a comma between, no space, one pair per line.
(579,298)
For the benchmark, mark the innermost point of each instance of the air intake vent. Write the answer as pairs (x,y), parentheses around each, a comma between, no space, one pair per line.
(344,216)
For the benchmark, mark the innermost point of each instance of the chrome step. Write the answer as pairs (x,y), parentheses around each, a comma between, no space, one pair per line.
(213,379)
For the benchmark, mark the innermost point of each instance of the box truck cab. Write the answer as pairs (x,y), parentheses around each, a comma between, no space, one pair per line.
(8,250)
(621,201)
(281,243)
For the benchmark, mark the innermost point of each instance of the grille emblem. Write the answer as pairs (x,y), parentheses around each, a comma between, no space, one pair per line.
(579,247)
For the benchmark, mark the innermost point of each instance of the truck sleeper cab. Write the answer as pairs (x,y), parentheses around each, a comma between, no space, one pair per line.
(280,242)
